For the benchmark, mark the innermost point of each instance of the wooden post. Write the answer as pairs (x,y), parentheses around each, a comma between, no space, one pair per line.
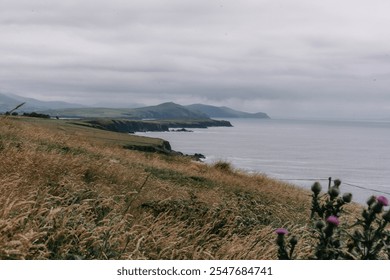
(330,182)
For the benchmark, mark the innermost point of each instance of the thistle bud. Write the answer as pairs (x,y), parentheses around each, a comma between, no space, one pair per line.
(293,241)
(333,192)
(347,197)
(377,207)
(337,183)
(320,225)
(386,216)
(371,200)
(316,188)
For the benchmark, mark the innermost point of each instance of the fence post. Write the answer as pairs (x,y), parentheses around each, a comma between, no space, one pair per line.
(330,182)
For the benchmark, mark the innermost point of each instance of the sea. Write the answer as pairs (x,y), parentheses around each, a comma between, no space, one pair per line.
(298,151)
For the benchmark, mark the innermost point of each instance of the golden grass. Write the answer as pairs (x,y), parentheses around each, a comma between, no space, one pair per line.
(75,193)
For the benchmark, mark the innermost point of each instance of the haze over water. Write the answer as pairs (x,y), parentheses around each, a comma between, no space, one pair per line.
(358,153)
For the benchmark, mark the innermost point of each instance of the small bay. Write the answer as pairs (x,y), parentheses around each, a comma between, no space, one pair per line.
(298,151)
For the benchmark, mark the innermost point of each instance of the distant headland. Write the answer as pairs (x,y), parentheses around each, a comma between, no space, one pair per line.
(167,111)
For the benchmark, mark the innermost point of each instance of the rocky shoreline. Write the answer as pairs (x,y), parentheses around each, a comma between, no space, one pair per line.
(132,126)
(164,148)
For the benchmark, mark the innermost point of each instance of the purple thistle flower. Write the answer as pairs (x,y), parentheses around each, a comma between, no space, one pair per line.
(333,220)
(281,231)
(382,200)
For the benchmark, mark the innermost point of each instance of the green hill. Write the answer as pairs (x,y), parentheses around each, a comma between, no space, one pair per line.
(165,111)
(225,112)
(168,111)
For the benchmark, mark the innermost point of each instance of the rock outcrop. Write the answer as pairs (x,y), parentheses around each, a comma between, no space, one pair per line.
(127,126)
(164,148)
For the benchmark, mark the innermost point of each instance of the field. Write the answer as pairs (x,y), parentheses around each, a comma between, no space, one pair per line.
(73,192)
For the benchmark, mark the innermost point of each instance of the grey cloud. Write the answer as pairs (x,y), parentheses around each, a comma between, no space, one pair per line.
(283,57)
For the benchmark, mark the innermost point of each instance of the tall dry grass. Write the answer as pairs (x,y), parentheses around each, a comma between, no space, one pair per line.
(64,196)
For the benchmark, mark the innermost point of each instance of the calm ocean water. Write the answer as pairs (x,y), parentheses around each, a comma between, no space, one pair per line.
(358,153)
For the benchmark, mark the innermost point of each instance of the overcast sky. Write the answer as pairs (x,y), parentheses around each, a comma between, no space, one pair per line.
(288,58)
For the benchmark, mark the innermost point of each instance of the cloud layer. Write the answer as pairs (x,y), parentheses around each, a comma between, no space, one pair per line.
(297,58)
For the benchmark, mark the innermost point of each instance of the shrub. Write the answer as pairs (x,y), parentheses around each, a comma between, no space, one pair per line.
(36,115)
(223,166)
(366,238)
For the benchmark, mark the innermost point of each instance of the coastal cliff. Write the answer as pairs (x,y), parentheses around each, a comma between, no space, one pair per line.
(127,126)
(131,126)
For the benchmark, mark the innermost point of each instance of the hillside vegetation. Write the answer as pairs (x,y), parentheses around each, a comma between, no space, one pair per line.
(72,192)
(225,112)
(167,111)
(164,111)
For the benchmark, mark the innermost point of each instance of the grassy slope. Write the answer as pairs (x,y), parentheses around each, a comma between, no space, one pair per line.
(70,127)
(72,192)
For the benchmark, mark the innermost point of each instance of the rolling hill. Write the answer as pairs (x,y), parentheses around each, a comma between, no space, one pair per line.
(164,111)
(225,112)
(167,110)
(10,101)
